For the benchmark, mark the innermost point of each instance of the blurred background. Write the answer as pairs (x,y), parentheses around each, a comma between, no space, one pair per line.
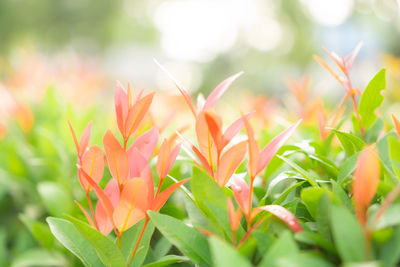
(88,44)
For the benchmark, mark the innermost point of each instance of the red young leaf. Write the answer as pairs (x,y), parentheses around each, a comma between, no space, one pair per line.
(103,198)
(366,178)
(121,106)
(137,163)
(269,151)
(146,143)
(206,143)
(254,151)
(234,216)
(241,193)
(283,214)
(234,128)
(132,204)
(229,162)
(93,165)
(136,114)
(164,195)
(117,158)
(84,142)
(104,223)
(219,91)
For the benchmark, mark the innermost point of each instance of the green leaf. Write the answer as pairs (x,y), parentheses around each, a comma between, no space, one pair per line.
(39,230)
(347,168)
(205,189)
(129,240)
(372,98)
(56,200)
(224,254)
(311,179)
(341,195)
(189,241)
(347,234)
(310,196)
(74,241)
(390,251)
(284,247)
(108,252)
(323,216)
(315,239)
(304,259)
(390,217)
(167,261)
(350,143)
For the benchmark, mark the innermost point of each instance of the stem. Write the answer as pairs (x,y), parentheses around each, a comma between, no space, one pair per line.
(119,241)
(247,235)
(233,237)
(91,209)
(388,201)
(250,202)
(140,238)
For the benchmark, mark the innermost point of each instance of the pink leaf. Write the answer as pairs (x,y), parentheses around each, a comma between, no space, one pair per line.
(241,193)
(219,91)
(283,214)
(121,106)
(93,165)
(234,128)
(137,163)
(103,221)
(84,142)
(146,143)
(269,151)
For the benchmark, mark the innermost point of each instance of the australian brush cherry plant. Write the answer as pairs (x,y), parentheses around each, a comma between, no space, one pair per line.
(320,189)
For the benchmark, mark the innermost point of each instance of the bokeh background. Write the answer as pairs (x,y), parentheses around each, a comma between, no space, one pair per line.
(88,44)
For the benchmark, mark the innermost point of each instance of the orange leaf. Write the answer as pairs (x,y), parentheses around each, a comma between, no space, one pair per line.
(214,125)
(164,195)
(136,114)
(219,91)
(121,106)
(365,183)
(137,162)
(132,204)
(241,193)
(84,142)
(93,165)
(117,158)
(254,151)
(396,125)
(229,162)
(206,143)
(283,214)
(74,137)
(166,158)
(103,221)
(103,198)
(324,65)
(273,146)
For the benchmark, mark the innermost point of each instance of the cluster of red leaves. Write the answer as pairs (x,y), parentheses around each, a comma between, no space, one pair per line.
(130,193)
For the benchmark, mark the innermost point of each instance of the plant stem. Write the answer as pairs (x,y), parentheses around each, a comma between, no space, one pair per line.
(247,235)
(91,209)
(139,239)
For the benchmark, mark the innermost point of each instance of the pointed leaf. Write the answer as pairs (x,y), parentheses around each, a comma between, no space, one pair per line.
(270,150)
(372,98)
(241,192)
(219,91)
(74,241)
(132,204)
(146,143)
(234,128)
(117,158)
(189,241)
(164,195)
(121,106)
(108,252)
(84,142)
(93,165)
(283,214)
(229,162)
(103,221)
(136,114)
